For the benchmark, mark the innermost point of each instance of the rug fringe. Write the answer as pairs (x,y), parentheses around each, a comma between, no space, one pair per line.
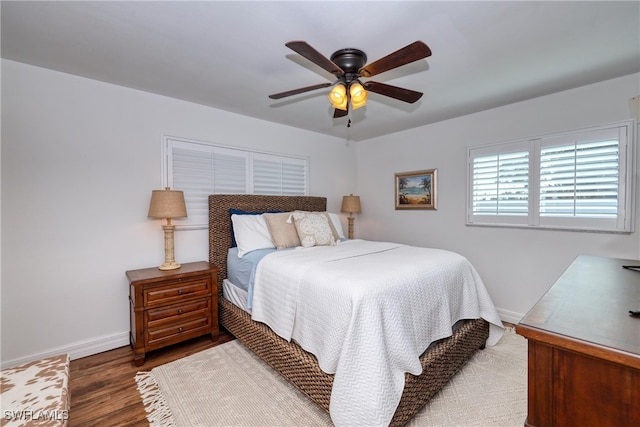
(158,412)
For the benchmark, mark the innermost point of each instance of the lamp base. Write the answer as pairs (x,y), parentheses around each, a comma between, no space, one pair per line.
(169,259)
(169,266)
(350,232)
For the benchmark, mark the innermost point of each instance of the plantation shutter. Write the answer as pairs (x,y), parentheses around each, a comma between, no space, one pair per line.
(279,175)
(581,179)
(200,169)
(501,184)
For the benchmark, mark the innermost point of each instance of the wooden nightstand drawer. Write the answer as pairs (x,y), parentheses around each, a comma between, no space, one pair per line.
(176,312)
(177,291)
(184,330)
(170,306)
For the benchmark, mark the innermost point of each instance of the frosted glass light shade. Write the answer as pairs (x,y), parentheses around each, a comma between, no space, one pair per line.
(358,95)
(338,97)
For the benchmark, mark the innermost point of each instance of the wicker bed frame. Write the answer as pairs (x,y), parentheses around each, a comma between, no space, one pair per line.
(440,362)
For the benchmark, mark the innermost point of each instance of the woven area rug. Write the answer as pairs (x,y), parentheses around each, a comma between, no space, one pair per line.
(228,385)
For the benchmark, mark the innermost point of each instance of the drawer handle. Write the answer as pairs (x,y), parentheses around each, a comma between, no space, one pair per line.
(180,330)
(180,311)
(179,291)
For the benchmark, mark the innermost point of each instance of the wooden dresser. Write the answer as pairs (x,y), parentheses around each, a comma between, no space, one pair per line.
(584,348)
(171,306)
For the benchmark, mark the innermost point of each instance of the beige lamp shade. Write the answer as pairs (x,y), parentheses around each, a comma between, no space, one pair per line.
(350,204)
(167,204)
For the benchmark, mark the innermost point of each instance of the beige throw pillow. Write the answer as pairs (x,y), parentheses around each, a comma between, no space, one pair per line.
(283,231)
(314,229)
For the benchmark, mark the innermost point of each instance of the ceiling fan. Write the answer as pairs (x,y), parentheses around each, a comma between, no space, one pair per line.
(348,65)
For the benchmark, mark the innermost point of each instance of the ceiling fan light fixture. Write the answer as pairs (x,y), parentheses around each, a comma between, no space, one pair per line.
(348,65)
(338,96)
(358,95)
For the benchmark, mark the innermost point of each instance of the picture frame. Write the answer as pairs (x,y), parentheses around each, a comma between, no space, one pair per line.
(416,190)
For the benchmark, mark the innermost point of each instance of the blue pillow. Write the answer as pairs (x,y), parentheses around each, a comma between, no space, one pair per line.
(240,212)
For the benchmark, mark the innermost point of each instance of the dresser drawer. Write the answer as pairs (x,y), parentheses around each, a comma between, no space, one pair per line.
(183,330)
(177,291)
(177,313)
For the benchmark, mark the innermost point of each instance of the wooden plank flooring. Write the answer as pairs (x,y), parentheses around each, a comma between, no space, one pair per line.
(103,389)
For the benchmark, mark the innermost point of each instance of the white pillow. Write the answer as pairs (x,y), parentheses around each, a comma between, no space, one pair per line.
(335,220)
(251,233)
(313,229)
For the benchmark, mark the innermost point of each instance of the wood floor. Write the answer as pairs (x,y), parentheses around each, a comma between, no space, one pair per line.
(103,389)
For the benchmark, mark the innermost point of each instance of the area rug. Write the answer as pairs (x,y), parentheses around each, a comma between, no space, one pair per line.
(228,385)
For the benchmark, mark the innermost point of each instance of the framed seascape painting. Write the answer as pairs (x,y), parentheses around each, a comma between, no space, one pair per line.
(416,190)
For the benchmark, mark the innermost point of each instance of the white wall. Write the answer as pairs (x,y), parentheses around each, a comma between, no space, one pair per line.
(80,158)
(517,265)
(79,161)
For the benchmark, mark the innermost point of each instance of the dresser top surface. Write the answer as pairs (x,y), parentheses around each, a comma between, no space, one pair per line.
(154,274)
(591,302)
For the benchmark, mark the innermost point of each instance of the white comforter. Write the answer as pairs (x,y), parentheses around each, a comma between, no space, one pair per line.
(367,311)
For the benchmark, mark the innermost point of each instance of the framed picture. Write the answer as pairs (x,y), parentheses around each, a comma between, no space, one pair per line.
(416,190)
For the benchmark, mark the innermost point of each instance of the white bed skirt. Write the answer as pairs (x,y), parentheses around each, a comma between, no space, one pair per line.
(235,294)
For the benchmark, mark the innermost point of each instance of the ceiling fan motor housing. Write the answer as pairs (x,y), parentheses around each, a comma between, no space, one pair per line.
(350,60)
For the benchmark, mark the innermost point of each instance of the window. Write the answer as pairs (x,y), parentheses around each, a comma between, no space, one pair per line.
(199,169)
(578,180)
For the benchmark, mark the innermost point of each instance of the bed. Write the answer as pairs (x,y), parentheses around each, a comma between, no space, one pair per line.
(439,362)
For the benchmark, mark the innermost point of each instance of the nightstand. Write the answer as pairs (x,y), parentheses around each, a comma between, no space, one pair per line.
(171,306)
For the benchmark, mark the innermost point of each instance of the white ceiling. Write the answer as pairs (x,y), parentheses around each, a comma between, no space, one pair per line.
(231,55)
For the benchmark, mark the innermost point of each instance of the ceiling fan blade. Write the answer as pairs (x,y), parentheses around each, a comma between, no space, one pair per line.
(297,91)
(304,49)
(396,92)
(337,113)
(413,52)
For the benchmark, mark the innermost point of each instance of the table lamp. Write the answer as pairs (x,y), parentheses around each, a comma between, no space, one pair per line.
(167,204)
(350,204)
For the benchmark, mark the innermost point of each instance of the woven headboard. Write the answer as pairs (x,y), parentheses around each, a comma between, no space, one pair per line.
(220,220)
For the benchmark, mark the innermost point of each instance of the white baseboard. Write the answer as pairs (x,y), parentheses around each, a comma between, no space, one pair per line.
(510,316)
(77,350)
